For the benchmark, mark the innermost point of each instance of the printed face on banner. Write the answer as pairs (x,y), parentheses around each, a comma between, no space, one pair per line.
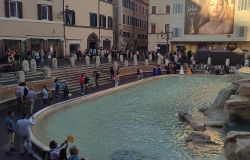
(209,17)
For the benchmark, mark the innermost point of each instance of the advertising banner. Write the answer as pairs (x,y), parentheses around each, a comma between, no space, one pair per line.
(209,17)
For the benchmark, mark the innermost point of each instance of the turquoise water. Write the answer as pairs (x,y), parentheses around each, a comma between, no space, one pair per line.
(140,123)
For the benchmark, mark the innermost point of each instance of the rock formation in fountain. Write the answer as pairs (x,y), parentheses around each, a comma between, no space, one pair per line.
(198,137)
(185,117)
(217,113)
(239,105)
(237,146)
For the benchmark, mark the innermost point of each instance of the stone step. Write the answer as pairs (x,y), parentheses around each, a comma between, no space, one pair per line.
(7,78)
(77,88)
(9,82)
(6,75)
(74,79)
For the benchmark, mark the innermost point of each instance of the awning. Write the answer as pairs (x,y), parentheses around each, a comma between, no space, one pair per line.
(220,49)
(203,49)
(238,51)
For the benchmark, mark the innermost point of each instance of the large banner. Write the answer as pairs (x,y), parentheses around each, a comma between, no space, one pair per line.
(209,17)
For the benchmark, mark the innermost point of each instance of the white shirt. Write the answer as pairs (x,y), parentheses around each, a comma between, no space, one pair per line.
(23,126)
(45,94)
(32,95)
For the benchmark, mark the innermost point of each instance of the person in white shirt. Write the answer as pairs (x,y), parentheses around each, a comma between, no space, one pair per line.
(23,130)
(32,99)
(45,94)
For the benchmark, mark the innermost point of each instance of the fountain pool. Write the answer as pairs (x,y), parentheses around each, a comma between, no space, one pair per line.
(138,122)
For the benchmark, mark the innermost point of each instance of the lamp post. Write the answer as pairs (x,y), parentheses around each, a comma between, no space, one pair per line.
(167,36)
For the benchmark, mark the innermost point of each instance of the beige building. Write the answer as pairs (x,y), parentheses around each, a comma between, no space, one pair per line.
(193,30)
(89,25)
(130,19)
(31,25)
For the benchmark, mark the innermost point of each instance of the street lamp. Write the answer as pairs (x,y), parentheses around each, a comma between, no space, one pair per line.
(167,36)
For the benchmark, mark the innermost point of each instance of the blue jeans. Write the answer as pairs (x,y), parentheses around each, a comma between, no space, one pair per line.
(82,88)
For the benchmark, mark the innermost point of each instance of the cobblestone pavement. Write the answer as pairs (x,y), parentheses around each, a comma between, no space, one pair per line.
(38,106)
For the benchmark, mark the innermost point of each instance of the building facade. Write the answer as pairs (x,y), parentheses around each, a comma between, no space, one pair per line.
(130,19)
(183,24)
(28,25)
(89,25)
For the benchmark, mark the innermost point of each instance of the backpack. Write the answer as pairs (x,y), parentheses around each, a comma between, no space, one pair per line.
(25,92)
(86,80)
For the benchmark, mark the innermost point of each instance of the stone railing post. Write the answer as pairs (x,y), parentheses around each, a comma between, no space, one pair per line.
(46,72)
(121,58)
(20,76)
(72,61)
(33,66)
(25,66)
(159,60)
(150,57)
(54,63)
(126,63)
(209,61)
(115,65)
(166,62)
(227,62)
(109,58)
(98,61)
(135,60)
(87,60)
(146,62)
(246,63)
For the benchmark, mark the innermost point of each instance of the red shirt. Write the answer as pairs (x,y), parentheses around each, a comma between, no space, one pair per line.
(82,80)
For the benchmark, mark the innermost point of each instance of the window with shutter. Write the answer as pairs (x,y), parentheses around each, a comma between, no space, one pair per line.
(153,9)
(70,17)
(242,31)
(50,13)
(93,20)
(13,9)
(20,10)
(39,16)
(167,9)
(153,28)
(7,7)
(110,23)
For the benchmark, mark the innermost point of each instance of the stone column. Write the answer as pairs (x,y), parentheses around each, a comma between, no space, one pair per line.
(72,61)
(150,57)
(33,65)
(209,61)
(46,72)
(98,61)
(87,60)
(246,63)
(126,63)
(227,62)
(121,58)
(25,66)
(54,63)
(146,62)
(115,65)
(166,62)
(20,76)
(109,58)
(135,60)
